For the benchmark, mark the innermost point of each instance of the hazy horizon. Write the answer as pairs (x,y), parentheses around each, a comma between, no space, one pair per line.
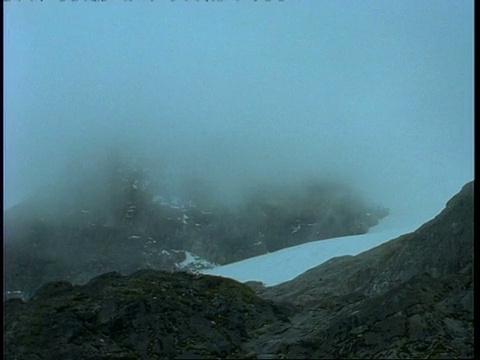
(377,94)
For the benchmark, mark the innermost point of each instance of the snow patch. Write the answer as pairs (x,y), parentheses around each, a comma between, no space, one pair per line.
(195,263)
(285,264)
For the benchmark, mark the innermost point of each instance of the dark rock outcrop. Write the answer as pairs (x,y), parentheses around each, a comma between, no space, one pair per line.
(147,315)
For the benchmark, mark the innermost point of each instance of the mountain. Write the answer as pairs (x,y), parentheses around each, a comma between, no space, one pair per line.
(411,297)
(113,217)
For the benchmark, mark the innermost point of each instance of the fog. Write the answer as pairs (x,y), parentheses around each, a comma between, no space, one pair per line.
(376,94)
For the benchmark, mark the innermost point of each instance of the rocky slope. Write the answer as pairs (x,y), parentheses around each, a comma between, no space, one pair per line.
(411,297)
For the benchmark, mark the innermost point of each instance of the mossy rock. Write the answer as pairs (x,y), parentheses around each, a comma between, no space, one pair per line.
(147,315)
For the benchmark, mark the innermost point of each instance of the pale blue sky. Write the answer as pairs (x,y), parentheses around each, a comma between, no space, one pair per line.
(379,92)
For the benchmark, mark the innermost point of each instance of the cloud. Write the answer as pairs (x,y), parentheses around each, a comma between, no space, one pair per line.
(381,98)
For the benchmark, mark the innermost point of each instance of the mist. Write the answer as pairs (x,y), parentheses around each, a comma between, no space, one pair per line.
(377,95)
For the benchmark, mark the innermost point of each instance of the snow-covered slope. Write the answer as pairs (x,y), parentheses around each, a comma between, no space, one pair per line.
(286,264)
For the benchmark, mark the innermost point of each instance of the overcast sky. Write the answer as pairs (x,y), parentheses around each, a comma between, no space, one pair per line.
(375,92)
